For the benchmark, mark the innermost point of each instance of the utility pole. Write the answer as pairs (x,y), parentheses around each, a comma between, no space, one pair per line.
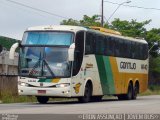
(102,15)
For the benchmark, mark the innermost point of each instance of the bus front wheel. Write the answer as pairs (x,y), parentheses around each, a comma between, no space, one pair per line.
(42,99)
(96,98)
(87,94)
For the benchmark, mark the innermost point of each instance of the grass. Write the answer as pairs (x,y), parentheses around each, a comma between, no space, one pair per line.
(152,90)
(8,97)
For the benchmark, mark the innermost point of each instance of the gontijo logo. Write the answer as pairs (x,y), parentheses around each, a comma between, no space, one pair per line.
(127,65)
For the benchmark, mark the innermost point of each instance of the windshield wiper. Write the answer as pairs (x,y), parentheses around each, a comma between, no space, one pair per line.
(34,67)
(48,68)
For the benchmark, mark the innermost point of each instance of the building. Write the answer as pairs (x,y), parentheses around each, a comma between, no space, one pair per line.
(8,66)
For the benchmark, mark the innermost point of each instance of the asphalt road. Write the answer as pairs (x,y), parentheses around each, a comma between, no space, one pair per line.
(144,104)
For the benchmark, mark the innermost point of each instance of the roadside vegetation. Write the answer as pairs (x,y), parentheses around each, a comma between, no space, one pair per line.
(152,90)
(8,42)
(8,97)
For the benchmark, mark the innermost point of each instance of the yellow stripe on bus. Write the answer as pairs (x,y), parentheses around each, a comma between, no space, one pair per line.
(121,80)
(56,80)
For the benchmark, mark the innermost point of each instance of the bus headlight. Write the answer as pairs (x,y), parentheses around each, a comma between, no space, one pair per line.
(62,85)
(23,84)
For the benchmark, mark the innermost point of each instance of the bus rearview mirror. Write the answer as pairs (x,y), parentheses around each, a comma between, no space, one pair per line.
(12,50)
(71,52)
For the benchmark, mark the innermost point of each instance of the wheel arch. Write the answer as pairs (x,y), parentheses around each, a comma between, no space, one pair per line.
(137,84)
(130,82)
(89,81)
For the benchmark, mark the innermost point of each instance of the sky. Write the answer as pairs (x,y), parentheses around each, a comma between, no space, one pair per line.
(15,19)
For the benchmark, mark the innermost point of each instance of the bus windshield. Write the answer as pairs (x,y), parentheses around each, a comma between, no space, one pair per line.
(44,62)
(47,38)
(45,54)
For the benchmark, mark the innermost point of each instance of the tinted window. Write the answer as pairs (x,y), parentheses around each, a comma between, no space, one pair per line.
(79,50)
(90,45)
(100,46)
(145,51)
(117,47)
(47,38)
(113,46)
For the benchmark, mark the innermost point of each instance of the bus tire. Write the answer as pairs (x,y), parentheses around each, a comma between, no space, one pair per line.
(96,98)
(121,97)
(135,91)
(42,99)
(87,94)
(129,94)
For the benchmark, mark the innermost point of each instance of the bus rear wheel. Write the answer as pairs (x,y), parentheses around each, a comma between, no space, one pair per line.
(42,99)
(135,91)
(129,94)
(87,94)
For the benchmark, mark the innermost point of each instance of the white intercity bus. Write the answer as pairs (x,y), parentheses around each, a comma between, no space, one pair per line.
(80,62)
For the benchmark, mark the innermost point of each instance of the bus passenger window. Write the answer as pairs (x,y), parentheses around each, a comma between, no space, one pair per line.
(90,46)
(79,49)
(100,45)
(145,51)
(110,47)
(117,48)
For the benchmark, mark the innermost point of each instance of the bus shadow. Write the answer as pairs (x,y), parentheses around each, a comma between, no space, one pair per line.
(69,102)
(64,101)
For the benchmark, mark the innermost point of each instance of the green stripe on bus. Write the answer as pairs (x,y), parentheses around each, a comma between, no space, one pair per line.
(105,73)
(109,72)
(45,80)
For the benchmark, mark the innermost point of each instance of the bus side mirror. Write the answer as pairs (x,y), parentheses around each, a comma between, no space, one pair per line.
(155,44)
(71,52)
(12,50)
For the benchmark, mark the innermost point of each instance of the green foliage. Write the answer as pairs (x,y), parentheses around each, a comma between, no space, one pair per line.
(153,36)
(70,22)
(90,21)
(155,65)
(86,21)
(7,42)
(126,28)
(130,28)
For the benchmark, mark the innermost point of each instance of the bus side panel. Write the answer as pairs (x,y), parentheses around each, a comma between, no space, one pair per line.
(88,71)
(106,74)
(119,78)
(122,75)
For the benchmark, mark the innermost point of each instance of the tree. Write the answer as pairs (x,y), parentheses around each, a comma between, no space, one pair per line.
(126,28)
(90,21)
(154,71)
(7,42)
(130,28)
(70,22)
(153,36)
(86,21)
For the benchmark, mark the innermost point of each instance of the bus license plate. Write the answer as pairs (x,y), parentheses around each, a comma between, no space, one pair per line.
(41,91)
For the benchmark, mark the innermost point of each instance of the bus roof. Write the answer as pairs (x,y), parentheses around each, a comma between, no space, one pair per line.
(79,28)
(57,28)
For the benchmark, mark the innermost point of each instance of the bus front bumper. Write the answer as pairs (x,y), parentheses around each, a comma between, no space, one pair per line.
(52,92)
